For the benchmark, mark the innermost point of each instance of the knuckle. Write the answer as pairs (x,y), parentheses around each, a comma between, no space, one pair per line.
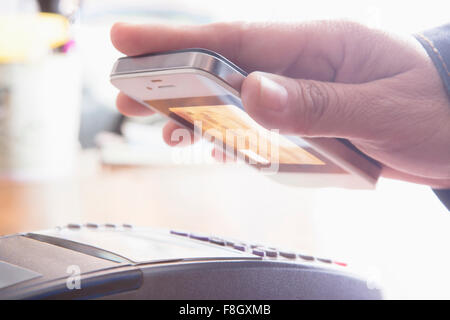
(231,32)
(354,26)
(313,100)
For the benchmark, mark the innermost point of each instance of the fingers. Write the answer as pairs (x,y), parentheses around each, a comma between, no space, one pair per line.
(307,107)
(391,173)
(185,137)
(285,46)
(136,39)
(176,135)
(173,134)
(131,107)
(221,156)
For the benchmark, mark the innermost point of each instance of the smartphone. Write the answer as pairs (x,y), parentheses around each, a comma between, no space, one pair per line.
(200,90)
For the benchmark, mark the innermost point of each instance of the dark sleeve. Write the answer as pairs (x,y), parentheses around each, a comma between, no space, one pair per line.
(444,196)
(437,43)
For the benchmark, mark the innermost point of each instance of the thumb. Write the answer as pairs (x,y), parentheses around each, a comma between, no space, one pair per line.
(304,107)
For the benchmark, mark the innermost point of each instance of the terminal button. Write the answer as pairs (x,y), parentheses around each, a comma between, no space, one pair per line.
(289,255)
(217,241)
(179,233)
(324,260)
(198,237)
(258,252)
(306,257)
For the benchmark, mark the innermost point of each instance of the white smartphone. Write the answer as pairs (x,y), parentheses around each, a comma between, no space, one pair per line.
(200,90)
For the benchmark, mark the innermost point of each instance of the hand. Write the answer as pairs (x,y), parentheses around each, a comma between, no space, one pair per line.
(325,79)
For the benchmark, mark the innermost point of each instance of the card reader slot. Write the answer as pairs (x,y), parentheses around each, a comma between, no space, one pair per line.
(79,247)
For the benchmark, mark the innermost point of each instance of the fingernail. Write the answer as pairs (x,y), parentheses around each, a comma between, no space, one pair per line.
(273,95)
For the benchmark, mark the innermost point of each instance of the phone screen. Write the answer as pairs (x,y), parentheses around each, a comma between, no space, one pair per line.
(222,120)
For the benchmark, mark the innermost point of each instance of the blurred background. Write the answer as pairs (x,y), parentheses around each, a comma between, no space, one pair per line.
(67,155)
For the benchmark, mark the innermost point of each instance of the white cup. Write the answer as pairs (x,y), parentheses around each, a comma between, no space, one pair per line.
(39,117)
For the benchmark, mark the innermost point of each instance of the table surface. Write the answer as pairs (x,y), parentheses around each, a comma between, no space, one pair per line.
(227,200)
(383,230)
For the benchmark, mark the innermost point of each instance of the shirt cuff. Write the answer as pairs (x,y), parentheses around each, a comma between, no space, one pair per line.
(437,44)
(444,196)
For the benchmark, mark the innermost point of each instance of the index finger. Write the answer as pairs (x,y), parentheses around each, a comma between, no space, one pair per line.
(272,47)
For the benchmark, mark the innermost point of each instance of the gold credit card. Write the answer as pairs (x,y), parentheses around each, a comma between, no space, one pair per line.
(237,130)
